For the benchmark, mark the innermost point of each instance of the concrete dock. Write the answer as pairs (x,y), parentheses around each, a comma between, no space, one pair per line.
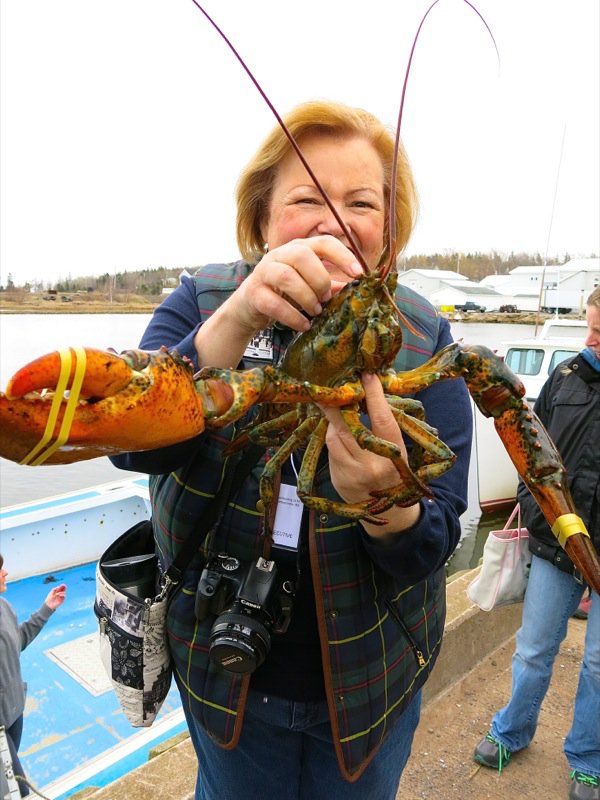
(471,680)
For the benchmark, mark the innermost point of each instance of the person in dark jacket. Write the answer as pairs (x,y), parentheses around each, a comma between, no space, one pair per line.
(569,407)
(326,705)
(15,637)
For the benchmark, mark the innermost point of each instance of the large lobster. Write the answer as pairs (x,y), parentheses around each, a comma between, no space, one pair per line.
(96,403)
(81,404)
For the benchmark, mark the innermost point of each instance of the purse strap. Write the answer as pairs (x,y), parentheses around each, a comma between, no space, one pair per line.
(516,510)
(232,481)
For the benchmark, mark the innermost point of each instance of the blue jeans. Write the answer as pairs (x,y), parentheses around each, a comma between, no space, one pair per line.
(286,753)
(13,737)
(551,599)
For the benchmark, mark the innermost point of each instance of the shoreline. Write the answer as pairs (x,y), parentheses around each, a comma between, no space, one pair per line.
(518,318)
(78,308)
(138,304)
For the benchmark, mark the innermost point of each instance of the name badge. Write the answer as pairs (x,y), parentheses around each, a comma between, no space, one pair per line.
(288,518)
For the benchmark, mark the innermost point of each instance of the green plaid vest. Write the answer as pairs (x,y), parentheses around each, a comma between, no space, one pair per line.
(379,638)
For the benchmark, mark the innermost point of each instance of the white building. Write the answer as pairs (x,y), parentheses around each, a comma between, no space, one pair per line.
(495,282)
(427,281)
(563,286)
(446,289)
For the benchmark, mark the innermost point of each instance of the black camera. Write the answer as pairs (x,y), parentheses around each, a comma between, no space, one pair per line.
(250,602)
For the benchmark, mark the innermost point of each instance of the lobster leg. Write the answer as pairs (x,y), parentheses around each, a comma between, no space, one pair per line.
(247,388)
(424,437)
(270,433)
(285,432)
(313,428)
(306,476)
(411,488)
(357,511)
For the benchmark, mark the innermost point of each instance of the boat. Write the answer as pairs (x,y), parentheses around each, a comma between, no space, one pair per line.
(532,360)
(75,734)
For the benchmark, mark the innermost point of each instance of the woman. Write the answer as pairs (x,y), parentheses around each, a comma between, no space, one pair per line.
(332,711)
(15,637)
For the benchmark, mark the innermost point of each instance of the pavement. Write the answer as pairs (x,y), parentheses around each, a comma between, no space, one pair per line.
(470,682)
(441,764)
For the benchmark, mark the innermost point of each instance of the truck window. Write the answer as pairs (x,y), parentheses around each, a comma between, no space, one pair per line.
(524,361)
(559,356)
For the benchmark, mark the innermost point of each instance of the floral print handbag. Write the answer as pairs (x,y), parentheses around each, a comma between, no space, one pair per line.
(131,606)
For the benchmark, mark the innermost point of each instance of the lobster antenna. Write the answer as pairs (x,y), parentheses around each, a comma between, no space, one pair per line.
(392,209)
(291,139)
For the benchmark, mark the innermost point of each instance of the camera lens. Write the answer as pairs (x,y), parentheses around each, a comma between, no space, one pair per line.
(239,643)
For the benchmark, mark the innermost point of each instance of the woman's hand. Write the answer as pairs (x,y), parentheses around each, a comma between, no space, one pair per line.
(56,596)
(301,274)
(356,472)
(296,277)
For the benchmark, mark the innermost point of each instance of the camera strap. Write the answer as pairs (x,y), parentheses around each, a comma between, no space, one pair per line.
(235,475)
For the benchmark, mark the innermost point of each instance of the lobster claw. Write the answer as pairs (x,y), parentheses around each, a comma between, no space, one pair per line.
(498,392)
(81,403)
(539,464)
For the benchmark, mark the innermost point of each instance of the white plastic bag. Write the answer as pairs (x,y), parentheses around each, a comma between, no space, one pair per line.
(505,569)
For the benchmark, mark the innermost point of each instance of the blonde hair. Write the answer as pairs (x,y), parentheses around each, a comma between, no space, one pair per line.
(255,184)
(594,298)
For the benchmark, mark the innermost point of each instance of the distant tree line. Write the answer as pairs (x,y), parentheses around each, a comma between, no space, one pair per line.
(145,282)
(151,282)
(476,266)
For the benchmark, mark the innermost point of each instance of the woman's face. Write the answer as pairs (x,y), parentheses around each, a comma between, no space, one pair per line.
(3,577)
(351,173)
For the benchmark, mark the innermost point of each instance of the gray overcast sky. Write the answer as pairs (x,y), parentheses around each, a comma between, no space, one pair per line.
(126,122)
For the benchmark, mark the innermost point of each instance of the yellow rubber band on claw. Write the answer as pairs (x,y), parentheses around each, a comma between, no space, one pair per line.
(41,452)
(568,525)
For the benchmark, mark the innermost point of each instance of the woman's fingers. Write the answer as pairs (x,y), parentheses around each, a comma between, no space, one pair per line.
(340,262)
(383,422)
(299,277)
(355,471)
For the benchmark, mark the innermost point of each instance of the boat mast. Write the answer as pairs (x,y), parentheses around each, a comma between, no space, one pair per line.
(537,318)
